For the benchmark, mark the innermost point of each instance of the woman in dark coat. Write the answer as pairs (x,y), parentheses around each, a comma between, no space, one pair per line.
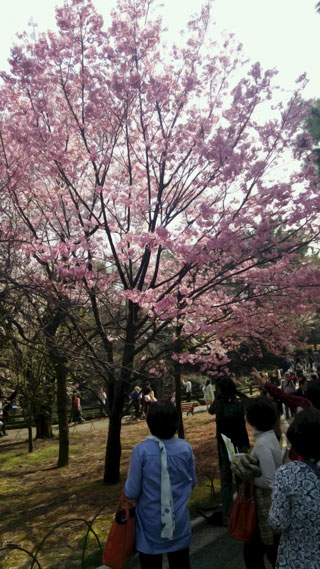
(230,421)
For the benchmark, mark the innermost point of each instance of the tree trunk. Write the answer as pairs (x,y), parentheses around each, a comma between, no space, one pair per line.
(110,395)
(113,450)
(177,379)
(168,386)
(30,439)
(51,324)
(62,408)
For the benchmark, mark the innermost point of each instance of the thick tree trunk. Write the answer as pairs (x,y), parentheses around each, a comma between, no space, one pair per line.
(110,395)
(113,450)
(30,439)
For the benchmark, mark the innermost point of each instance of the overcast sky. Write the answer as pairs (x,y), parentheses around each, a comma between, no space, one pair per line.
(279,33)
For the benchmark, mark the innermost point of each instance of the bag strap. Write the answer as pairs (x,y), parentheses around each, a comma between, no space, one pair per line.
(247,490)
(313,467)
(123,498)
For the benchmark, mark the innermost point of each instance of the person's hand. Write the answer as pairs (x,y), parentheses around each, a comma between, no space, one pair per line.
(257,377)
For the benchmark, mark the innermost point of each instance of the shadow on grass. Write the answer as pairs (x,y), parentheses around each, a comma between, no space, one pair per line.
(13,444)
(26,472)
(78,548)
(72,559)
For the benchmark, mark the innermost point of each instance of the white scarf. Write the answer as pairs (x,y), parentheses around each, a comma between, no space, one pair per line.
(167,511)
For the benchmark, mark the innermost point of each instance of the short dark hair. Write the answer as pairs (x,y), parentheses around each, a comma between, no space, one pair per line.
(162,419)
(304,433)
(226,387)
(260,413)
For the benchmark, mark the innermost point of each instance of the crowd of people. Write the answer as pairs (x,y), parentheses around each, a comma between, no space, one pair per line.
(140,399)
(286,485)
(142,395)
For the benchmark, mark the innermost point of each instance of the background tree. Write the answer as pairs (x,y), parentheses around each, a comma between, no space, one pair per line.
(313,125)
(144,183)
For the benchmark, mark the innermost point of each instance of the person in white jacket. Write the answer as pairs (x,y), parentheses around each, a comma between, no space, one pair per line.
(188,387)
(208,393)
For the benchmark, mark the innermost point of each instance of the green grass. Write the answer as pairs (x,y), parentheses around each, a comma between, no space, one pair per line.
(35,458)
(84,485)
(9,488)
(202,498)
(26,459)
(71,555)
(128,442)
(93,560)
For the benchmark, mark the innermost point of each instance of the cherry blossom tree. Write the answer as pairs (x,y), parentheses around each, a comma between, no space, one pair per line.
(144,181)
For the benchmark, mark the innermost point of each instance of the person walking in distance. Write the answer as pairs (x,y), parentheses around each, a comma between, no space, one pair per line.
(76,415)
(102,397)
(136,401)
(287,386)
(188,387)
(208,393)
(2,418)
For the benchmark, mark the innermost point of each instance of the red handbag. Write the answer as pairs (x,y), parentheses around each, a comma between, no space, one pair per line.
(120,543)
(242,521)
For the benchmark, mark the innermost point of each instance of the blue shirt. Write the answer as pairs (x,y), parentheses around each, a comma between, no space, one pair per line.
(144,484)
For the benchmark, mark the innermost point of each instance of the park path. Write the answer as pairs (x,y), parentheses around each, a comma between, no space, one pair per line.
(19,435)
(15,435)
(211,548)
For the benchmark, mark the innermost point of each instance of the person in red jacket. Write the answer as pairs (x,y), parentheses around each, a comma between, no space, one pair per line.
(76,408)
(294,402)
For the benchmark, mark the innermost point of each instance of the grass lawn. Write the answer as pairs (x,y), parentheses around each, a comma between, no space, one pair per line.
(35,496)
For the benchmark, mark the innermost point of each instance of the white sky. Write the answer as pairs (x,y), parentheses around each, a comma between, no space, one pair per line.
(279,33)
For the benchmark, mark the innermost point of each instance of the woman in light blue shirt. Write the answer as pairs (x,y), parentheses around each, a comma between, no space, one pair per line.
(161,477)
